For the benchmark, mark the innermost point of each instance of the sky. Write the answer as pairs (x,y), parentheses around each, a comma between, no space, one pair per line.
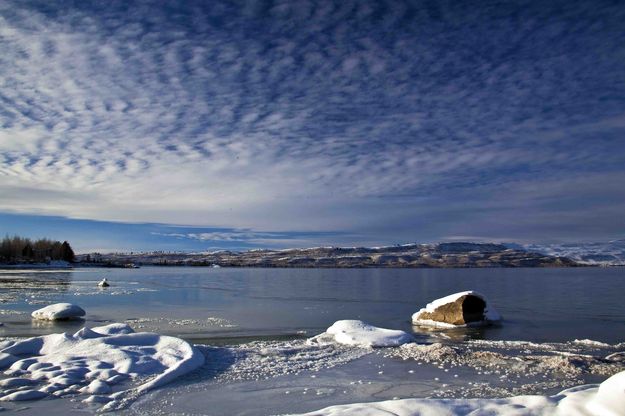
(199,125)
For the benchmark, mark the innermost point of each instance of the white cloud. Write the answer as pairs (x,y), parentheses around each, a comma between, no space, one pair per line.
(319,118)
(21,140)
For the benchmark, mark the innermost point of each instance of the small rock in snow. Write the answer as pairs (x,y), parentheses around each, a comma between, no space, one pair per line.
(59,311)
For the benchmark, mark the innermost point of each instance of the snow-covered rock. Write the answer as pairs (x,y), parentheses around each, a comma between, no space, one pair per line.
(93,360)
(460,309)
(359,333)
(59,311)
(607,399)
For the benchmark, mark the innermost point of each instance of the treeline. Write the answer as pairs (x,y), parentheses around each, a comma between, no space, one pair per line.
(24,250)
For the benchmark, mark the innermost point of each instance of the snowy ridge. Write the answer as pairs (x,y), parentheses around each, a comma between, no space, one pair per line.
(407,255)
(611,253)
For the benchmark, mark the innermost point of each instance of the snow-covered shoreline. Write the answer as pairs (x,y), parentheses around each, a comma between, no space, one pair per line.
(606,399)
(300,363)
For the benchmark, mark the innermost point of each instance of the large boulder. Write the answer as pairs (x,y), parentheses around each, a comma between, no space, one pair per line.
(59,311)
(460,309)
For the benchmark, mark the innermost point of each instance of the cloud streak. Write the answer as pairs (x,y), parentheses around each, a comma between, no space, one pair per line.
(310,116)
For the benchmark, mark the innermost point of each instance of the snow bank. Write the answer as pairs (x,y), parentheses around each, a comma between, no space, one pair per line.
(359,333)
(438,312)
(59,311)
(607,399)
(95,361)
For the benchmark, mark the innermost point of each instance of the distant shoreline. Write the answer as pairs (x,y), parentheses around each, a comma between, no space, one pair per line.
(37,266)
(442,255)
(104,266)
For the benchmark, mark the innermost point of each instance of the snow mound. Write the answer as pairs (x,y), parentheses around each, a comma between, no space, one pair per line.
(99,361)
(359,333)
(59,311)
(461,309)
(607,399)
(610,397)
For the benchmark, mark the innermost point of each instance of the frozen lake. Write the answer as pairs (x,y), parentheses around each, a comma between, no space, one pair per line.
(252,325)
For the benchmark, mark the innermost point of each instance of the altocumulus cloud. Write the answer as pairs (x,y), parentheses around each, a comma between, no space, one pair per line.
(388,120)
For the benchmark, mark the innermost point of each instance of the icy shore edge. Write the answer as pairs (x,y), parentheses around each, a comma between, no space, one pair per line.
(605,399)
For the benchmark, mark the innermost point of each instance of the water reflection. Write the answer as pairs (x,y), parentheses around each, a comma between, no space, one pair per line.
(20,285)
(58,326)
(35,280)
(454,334)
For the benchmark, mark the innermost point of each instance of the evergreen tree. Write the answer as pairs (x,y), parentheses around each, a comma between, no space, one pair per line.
(15,249)
(28,252)
(67,253)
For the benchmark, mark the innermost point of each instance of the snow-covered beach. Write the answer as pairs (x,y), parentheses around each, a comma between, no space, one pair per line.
(295,356)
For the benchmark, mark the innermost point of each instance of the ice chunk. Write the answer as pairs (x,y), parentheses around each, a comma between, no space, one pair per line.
(59,311)
(591,343)
(359,333)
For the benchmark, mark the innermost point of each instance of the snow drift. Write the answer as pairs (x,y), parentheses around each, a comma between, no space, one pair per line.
(100,362)
(606,399)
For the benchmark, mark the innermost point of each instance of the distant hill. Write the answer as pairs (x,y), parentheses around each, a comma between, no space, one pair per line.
(611,253)
(443,255)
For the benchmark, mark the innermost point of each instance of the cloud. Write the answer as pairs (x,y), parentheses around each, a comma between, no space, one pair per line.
(247,236)
(311,116)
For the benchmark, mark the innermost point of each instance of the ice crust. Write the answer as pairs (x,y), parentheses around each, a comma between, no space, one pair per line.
(607,399)
(59,311)
(110,361)
(359,333)
(490,314)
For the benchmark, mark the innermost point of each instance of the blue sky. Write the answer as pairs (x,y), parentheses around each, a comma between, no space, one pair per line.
(138,125)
